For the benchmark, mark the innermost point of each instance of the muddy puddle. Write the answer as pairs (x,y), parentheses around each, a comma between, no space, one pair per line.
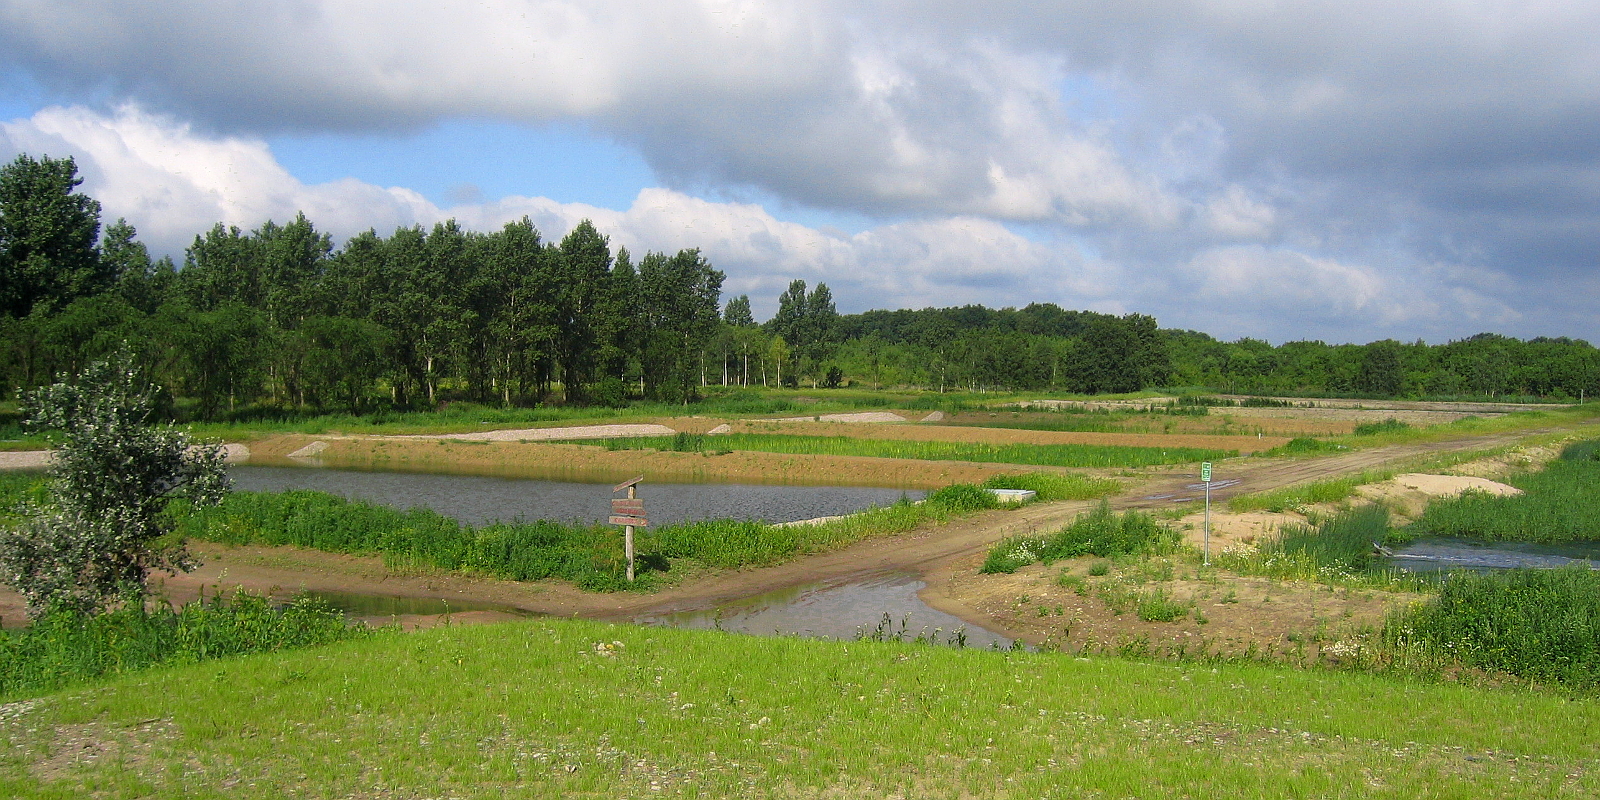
(1437,554)
(839,611)
(477,499)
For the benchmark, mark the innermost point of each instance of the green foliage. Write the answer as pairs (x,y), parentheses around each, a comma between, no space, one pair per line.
(1542,624)
(66,646)
(1560,503)
(1101,532)
(1332,490)
(47,237)
(1390,425)
(1051,487)
(1157,605)
(112,477)
(961,497)
(1342,542)
(1055,455)
(1302,446)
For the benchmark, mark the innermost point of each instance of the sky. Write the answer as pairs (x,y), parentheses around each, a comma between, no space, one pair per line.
(1345,171)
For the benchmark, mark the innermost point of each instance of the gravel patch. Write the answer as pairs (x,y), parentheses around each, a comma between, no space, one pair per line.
(547,434)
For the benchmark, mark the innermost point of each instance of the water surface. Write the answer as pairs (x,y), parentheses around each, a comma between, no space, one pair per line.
(839,611)
(1435,554)
(477,500)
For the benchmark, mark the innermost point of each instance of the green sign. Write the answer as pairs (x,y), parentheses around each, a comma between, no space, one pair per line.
(1205,471)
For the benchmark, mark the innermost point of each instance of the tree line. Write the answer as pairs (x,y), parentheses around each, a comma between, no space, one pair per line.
(280,319)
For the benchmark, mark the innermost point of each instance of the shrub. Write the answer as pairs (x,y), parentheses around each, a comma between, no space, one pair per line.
(65,645)
(962,497)
(1539,624)
(1390,425)
(1101,532)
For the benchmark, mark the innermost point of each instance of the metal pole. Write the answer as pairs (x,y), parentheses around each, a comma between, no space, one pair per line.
(627,540)
(1208,525)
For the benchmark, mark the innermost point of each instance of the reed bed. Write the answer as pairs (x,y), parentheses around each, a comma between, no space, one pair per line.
(66,647)
(1539,624)
(1054,455)
(1560,503)
(1101,532)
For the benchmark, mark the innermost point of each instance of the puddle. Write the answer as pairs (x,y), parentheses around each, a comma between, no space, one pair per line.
(1436,554)
(835,612)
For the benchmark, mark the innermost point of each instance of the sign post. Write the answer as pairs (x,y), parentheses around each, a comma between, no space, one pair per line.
(1205,477)
(628,512)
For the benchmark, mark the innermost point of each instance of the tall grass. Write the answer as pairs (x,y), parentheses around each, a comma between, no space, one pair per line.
(1541,624)
(1055,455)
(1560,503)
(1050,487)
(1101,532)
(66,647)
(1290,498)
(1339,548)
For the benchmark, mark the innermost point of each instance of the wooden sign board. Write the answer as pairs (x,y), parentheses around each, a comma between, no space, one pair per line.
(626,506)
(637,522)
(625,484)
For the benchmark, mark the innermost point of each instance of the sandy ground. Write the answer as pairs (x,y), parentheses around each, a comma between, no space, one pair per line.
(234,453)
(954,433)
(547,434)
(1223,613)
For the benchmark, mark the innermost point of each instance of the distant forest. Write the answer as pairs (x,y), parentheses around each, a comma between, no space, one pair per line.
(279,319)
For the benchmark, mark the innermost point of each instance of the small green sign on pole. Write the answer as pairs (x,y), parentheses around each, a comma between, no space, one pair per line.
(1205,477)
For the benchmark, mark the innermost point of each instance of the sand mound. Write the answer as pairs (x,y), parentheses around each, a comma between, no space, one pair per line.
(1446,485)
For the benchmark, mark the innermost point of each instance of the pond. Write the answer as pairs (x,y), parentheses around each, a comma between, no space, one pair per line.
(477,500)
(1440,553)
(836,611)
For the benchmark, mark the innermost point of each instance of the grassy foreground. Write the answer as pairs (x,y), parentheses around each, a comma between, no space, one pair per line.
(578,709)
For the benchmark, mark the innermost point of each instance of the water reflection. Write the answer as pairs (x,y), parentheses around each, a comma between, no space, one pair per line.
(476,500)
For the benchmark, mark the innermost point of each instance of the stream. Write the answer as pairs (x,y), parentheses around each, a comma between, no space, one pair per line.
(1441,553)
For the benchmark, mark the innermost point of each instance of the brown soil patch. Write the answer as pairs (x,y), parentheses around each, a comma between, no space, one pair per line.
(1218,423)
(953,433)
(1224,613)
(595,463)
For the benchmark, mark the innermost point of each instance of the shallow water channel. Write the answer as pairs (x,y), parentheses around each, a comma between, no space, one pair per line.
(1440,553)
(834,611)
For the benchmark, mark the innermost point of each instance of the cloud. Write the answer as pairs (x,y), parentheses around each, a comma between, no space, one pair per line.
(794,98)
(172,182)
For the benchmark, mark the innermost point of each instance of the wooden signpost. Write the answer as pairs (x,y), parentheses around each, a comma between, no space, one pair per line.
(629,513)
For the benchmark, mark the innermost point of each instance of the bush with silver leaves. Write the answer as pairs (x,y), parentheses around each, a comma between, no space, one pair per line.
(114,473)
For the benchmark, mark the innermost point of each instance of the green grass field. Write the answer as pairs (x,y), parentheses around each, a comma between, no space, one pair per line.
(552,708)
